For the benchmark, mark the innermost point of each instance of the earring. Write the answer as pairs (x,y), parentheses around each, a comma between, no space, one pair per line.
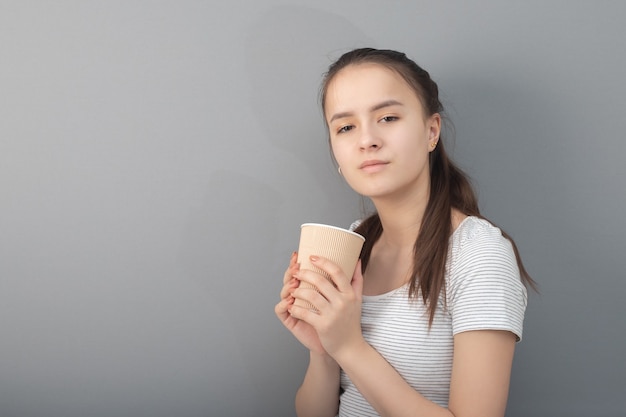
(339,170)
(433,145)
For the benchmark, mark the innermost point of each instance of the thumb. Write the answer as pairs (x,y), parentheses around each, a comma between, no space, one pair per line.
(357,280)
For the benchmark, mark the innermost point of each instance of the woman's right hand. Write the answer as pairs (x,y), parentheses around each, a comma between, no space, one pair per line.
(303,331)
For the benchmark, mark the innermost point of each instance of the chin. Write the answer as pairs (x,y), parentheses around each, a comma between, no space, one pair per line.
(375,187)
(373,193)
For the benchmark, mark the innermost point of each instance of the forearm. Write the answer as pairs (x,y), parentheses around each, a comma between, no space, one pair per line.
(383,387)
(319,393)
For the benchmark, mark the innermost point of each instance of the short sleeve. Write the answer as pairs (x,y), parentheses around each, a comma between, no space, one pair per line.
(484,290)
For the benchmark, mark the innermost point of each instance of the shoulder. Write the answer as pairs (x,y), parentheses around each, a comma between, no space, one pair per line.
(472,227)
(479,252)
(476,239)
(484,288)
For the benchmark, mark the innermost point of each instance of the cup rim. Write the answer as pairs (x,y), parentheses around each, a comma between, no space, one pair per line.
(332,227)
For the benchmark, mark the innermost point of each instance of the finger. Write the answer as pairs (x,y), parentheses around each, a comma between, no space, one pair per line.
(357,280)
(292,268)
(282,308)
(338,277)
(305,314)
(308,279)
(310,296)
(288,288)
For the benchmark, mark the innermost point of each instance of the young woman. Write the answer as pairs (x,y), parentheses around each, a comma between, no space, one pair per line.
(428,323)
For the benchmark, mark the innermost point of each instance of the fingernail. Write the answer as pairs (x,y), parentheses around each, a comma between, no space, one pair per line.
(313,258)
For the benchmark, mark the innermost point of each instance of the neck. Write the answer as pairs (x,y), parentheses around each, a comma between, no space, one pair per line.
(401,218)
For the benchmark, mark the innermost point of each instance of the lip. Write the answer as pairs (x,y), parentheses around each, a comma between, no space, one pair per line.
(372,163)
(372,166)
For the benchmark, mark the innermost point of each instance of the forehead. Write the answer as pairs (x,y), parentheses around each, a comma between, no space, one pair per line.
(364,85)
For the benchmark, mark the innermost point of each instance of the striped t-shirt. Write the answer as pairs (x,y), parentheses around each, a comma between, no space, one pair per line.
(483,291)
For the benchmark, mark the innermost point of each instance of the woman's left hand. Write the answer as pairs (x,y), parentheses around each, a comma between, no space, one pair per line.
(338,316)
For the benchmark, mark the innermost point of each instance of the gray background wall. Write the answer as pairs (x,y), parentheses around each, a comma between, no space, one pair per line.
(157,159)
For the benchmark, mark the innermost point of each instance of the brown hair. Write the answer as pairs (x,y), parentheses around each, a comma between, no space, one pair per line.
(449,186)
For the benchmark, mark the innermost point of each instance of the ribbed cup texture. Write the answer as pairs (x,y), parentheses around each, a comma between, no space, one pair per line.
(339,245)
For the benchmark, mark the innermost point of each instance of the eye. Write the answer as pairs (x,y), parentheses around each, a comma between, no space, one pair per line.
(388,119)
(344,129)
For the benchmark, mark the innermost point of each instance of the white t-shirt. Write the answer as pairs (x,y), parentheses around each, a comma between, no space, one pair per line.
(483,291)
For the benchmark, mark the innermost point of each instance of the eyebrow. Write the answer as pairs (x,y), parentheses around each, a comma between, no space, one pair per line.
(387,103)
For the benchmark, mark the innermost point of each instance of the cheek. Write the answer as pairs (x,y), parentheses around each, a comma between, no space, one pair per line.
(338,152)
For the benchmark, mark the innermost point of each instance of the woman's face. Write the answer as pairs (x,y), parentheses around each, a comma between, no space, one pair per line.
(378,132)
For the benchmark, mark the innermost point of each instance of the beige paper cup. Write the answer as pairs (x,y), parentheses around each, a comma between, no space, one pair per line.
(341,246)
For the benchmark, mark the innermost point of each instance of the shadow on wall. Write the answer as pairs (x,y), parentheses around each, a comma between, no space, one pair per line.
(232,240)
(287,51)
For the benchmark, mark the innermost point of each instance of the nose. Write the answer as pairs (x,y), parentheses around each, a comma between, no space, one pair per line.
(369,138)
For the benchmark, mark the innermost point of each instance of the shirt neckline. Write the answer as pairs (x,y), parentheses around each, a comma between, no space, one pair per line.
(378,297)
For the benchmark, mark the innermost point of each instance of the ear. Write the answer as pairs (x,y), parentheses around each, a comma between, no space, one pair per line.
(434,130)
